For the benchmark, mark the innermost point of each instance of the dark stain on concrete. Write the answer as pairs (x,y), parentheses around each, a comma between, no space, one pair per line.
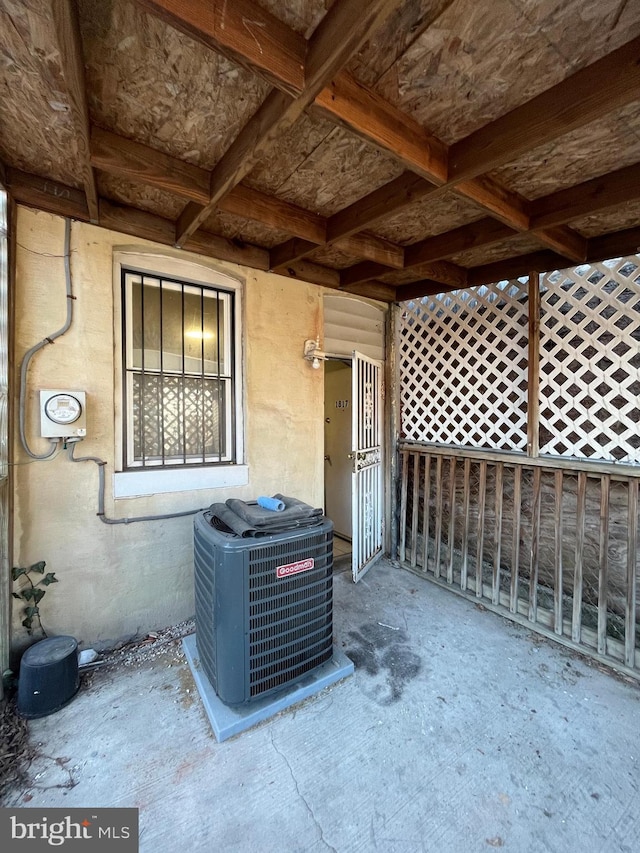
(384,654)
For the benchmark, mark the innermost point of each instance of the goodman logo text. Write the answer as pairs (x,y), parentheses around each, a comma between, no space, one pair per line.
(294,568)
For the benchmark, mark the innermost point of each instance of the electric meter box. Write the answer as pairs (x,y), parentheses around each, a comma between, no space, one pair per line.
(63,413)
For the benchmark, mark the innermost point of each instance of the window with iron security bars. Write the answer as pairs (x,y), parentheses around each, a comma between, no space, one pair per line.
(463,367)
(179,372)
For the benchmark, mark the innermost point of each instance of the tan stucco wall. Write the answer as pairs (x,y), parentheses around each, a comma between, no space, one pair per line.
(116,581)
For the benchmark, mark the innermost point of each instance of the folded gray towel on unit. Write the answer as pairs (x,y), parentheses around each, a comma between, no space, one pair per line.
(294,511)
(225,518)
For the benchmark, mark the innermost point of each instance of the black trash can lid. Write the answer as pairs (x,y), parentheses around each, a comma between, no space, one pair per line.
(50,650)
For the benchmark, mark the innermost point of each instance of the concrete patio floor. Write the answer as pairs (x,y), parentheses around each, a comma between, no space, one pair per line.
(459,731)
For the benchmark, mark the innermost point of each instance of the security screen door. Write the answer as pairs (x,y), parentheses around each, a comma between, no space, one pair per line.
(366,456)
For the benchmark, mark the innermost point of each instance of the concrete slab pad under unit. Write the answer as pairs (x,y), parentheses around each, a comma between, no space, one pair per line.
(227,720)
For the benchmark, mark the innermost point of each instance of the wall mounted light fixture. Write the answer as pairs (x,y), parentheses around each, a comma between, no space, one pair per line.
(313,353)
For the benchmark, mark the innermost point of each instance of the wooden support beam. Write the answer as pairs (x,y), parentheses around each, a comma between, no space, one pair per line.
(484,232)
(442,271)
(418,289)
(43,194)
(395,195)
(366,114)
(505,205)
(344,28)
(63,200)
(345,100)
(136,162)
(589,197)
(288,253)
(140,223)
(594,91)
(374,290)
(279,53)
(373,248)
(515,267)
(385,255)
(274,213)
(275,115)
(565,241)
(441,276)
(307,271)
(243,31)
(614,245)
(364,271)
(67,28)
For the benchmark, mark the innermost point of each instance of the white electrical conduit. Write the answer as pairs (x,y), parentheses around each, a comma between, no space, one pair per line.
(101,466)
(24,367)
(22,403)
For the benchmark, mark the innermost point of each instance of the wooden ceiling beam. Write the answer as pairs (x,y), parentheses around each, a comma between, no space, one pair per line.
(278,54)
(47,195)
(363,245)
(275,213)
(346,101)
(418,289)
(243,31)
(365,271)
(614,245)
(515,267)
(484,232)
(603,86)
(373,290)
(140,163)
(289,252)
(307,271)
(373,248)
(67,27)
(375,120)
(62,200)
(503,204)
(344,28)
(137,162)
(380,203)
(274,116)
(565,241)
(444,272)
(589,197)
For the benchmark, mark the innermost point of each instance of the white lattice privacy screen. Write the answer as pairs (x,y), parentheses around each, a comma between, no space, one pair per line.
(590,361)
(463,367)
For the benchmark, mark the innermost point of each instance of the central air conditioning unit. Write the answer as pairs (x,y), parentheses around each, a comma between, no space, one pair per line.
(264,607)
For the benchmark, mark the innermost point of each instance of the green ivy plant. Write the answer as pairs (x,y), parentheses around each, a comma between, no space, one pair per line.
(32,593)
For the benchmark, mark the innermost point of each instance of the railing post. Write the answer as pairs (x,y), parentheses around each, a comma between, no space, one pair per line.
(533,369)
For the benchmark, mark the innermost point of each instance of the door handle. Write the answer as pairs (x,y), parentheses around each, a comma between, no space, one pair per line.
(327,458)
(351,455)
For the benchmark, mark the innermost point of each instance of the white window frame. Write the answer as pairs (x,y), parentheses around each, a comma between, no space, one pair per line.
(150,480)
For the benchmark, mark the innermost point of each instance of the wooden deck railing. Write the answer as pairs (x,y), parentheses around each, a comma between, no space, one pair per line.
(549,543)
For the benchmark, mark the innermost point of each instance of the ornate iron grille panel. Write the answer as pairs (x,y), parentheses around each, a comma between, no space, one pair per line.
(177,416)
(463,367)
(590,362)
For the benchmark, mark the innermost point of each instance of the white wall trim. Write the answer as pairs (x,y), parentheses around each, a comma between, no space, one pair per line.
(133,484)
